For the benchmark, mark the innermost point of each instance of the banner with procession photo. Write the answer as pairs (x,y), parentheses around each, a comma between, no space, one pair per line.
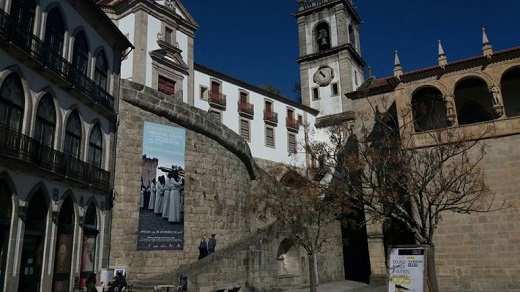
(161,195)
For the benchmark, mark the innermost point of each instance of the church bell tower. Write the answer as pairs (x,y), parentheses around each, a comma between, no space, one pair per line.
(330,55)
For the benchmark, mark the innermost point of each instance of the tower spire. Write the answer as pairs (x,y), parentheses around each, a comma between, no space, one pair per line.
(487,48)
(443,61)
(398,70)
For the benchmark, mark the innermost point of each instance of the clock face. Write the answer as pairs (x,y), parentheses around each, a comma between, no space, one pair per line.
(323,76)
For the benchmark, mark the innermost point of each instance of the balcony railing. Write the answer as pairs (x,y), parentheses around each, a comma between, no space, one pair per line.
(52,60)
(292,124)
(246,108)
(217,98)
(270,117)
(15,145)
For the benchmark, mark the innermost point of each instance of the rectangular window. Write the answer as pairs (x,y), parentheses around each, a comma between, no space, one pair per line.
(166,85)
(291,143)
(315,93)
(334,88)
(244,128)
(203,92)
(268,106)
(269,136)
(243,97)
(168,33)
(300,120)
(215,115)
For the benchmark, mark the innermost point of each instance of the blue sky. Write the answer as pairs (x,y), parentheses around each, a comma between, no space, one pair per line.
(257,41)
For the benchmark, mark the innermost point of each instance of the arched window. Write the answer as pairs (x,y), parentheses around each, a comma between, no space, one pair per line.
(351,36)
(11,102)
(473,102)
(80,53)
(54,34)
(73,135)
(90,232)
(322,36)
(45,121)
(95,147)
(510,85)
(429,111)
(22,13)
(101,72)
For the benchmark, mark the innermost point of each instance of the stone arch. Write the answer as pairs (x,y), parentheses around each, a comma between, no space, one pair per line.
(322,39)
(428,109)
(288,257)
(473,101)
(28,104)
(191,118)
(39,187)
(510,88)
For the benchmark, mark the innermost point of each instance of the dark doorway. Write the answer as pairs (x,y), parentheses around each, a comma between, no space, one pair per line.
(5,222)
(63,256)
(356,258)
(33,242)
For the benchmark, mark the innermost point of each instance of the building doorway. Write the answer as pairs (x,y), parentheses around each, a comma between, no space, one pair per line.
(356,258)
(33,243)
(5,222)
(64,240)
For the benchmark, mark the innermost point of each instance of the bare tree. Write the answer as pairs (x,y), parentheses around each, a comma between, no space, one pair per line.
(297,203)
(390,174)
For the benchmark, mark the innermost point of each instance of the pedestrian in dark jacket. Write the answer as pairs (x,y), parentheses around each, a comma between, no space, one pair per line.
(203,248)
(212,243)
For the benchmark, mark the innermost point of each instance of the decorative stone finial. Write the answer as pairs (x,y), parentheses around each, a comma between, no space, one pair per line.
(443,60)
(487,48)
(398,70)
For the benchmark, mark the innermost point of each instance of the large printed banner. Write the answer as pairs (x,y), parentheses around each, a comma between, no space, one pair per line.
(406,270)
(161,195)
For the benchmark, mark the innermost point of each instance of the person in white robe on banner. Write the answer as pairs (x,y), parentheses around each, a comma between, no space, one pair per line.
(175,197)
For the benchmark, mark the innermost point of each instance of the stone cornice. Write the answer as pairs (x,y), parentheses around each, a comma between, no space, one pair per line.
(189,117)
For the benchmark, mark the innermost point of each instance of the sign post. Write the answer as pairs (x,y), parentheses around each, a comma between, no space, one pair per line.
(406,269)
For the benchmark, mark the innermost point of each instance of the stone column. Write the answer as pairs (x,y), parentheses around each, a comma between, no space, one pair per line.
(376,251)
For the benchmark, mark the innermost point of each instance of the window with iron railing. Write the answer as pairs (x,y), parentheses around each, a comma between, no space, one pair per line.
(11,102)
(73,135)
(45,121)
(101,71)
(95,150)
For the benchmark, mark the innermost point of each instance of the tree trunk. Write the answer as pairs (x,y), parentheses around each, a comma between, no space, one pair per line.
(431,270)
(313,272)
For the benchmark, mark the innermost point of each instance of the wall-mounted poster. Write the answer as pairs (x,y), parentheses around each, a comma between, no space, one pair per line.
(406,270)
(161,195)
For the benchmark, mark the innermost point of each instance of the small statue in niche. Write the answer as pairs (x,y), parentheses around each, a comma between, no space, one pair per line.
(497,96)
(159,35)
